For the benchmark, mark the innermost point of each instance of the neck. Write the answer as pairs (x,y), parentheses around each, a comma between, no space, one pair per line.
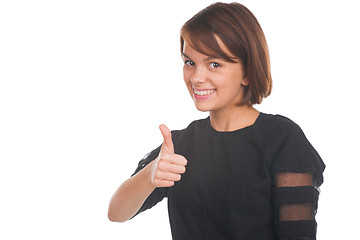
(238,118)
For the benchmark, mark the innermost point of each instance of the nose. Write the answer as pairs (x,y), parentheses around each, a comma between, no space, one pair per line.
(199,76)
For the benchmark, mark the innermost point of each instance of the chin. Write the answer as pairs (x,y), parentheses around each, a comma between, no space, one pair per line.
(202,108)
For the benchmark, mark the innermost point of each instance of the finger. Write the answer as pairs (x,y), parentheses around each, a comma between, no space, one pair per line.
(174,159)
(168,176)
(170,167)
(168,146)
(163,183)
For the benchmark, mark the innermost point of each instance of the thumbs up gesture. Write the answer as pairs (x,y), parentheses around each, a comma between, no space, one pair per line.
(168,166)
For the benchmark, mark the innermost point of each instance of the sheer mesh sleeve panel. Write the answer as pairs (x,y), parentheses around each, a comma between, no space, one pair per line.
(295,199)
(297,170)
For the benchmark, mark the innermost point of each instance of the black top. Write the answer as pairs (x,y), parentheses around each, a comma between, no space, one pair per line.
(251,184)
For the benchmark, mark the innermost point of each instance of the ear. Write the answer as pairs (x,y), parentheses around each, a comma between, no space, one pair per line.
(245,81)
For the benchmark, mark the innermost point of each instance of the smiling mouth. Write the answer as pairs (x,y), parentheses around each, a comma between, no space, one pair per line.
(203,92)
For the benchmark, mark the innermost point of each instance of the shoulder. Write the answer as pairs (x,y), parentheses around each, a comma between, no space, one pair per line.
(283,139)
(287,148)
(277,121)
(273,126)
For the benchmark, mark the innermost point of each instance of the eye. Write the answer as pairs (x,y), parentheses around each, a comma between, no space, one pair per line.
(189,63)
(214,65)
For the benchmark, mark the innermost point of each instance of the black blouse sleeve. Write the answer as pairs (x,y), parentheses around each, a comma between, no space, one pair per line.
(159,193)
(296,170)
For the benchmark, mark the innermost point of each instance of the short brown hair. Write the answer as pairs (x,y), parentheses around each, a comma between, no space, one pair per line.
(241,33)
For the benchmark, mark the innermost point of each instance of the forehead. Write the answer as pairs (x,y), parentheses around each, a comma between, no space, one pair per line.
(222,51)
(189,51)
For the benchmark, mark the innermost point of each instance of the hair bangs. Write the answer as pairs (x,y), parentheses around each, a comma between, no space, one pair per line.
(200,36)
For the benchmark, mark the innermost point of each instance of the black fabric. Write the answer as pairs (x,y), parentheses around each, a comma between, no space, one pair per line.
(296,195)
(227,191)
(296,229)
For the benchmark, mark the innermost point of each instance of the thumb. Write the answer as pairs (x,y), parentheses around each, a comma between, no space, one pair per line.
(168,146)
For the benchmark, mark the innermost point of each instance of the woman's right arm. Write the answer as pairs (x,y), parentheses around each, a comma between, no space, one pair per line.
(162,172)
(130,196)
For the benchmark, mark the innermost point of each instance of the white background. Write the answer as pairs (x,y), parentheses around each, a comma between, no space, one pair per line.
(85,85)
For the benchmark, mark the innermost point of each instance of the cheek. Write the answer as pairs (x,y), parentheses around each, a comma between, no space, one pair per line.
(187,80)
(220,81)
(187,77)
(227,85)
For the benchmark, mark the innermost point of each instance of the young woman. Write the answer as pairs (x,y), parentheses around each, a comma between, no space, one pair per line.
(238,174)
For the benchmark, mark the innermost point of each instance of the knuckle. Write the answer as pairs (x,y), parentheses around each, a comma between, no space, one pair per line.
(164,156)
(161,165)
(182,160)
(159,175)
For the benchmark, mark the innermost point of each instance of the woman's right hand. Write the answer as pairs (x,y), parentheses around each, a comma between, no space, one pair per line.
(167,168)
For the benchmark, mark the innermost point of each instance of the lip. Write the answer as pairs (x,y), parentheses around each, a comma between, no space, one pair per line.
(203,89)
(205,96)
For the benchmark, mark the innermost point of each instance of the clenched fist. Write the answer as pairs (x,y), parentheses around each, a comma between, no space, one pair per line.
(168,166)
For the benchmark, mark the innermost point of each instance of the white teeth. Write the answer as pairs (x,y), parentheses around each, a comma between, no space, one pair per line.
(203,93)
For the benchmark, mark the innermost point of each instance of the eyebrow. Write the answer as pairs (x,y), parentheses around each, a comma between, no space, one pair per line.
(184,55)
(206,59)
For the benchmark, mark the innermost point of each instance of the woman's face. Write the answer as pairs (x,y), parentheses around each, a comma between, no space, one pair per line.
(214,85)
